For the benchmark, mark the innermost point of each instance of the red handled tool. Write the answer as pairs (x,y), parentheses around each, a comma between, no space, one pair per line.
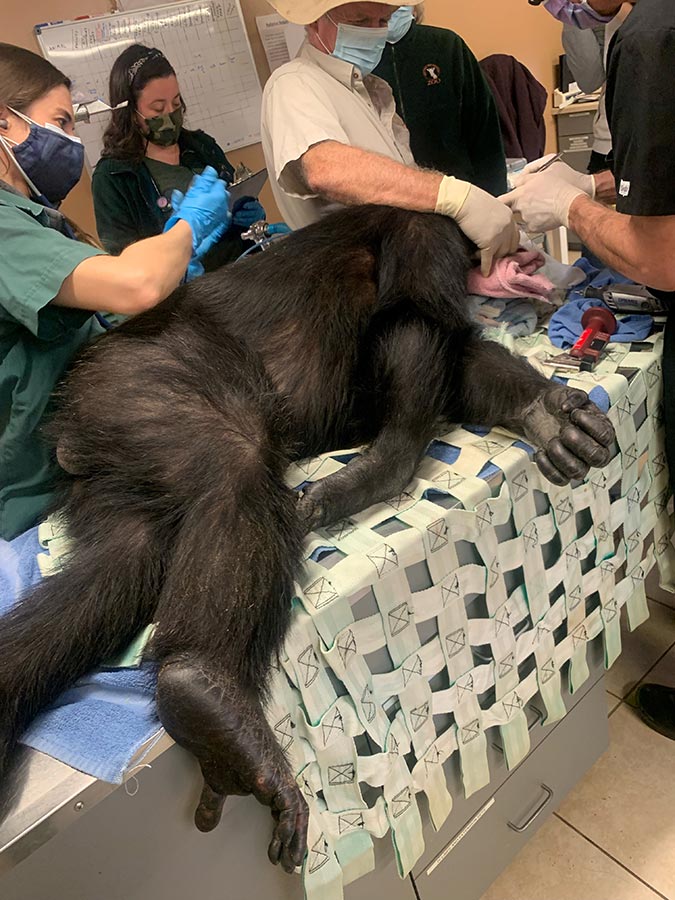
(599,325)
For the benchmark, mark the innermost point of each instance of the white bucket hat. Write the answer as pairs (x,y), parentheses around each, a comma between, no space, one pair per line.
(302,12)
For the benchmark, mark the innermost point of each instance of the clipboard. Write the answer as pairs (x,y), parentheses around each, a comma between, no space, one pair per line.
(249,187)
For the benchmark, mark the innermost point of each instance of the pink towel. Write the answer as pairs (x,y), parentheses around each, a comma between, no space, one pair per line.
(513,276)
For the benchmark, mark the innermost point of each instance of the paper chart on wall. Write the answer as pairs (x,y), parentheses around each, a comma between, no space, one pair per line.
(207,44)
(280,39)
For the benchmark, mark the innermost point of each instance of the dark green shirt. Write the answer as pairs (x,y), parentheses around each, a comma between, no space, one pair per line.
(37,341)
(443,98)
(169,178)
(131,205)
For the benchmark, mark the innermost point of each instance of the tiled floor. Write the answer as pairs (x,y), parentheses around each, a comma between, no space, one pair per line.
(613,838)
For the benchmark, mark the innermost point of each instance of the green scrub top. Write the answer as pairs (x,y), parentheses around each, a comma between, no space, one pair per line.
(37,341)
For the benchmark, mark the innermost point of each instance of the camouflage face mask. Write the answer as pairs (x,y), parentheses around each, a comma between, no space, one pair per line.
(165,130)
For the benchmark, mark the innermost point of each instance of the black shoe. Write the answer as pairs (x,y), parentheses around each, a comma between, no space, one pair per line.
(656,704)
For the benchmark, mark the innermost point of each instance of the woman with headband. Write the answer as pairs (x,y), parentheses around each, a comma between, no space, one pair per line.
(148,154)
(53,279)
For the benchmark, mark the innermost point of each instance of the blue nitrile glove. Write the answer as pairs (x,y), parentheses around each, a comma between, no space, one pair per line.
(246,211)
(205,207)
(194,270)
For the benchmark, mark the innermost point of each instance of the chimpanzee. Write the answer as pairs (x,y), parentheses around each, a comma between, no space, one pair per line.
(175,430)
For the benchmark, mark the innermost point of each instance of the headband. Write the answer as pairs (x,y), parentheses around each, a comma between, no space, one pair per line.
(136,67)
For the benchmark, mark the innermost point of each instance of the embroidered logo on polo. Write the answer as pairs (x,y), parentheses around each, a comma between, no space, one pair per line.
(343,774)
(399,619)
(400,803)
(438,535)
(432,73)
(320,593)
(309,666)
(284,732)
(318,855)
(385,559)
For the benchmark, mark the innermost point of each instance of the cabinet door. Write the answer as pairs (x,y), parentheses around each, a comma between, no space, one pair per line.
(473,857)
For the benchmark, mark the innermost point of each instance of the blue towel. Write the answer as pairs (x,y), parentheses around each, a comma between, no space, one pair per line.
(99,724)
(565,326)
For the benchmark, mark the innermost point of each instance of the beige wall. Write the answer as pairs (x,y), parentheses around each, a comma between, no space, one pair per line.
(488,26)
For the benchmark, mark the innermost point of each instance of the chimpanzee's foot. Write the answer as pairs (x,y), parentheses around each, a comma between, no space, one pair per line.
(572,434)
(224,727)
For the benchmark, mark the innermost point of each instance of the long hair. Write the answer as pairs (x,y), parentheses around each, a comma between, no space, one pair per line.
(123,138)
(24,78)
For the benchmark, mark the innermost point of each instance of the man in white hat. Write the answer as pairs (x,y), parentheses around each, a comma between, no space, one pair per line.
(331,134)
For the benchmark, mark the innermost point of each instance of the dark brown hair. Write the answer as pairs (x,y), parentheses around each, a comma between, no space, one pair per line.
(24,78)
(123,138)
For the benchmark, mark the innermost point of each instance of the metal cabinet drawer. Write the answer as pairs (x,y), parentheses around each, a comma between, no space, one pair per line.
(473,857)
(575,122)
(464,809)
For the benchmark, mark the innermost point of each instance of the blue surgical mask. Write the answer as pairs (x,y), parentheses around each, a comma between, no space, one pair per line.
(50,160)
(362,47)
(399,24)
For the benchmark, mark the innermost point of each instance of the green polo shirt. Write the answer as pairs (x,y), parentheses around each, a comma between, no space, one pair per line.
(37,340)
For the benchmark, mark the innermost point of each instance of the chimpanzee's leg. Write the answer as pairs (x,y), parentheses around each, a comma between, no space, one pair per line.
(222,617)
(498,388)
(410,375)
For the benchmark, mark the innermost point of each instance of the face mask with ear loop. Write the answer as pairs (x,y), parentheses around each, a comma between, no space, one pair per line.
(49,160)
(400,24)
(359,46)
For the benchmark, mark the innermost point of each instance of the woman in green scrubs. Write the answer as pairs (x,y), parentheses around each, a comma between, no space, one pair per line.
(53,279)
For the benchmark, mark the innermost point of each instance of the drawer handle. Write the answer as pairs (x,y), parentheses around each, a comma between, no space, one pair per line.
(538,811)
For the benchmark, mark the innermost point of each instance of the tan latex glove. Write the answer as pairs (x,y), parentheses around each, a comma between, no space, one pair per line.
(543,202)
(483,219)
(585,183)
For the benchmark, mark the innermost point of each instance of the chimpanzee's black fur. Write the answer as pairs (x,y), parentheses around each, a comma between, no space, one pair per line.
(175,431)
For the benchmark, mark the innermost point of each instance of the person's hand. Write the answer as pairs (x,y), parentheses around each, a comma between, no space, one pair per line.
(543,202)
(205,208)
(246,211)
(585,183)
(483,219)
(194,270)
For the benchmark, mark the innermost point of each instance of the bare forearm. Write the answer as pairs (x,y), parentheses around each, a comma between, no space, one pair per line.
(140,277)
(349,175)
(636,247)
